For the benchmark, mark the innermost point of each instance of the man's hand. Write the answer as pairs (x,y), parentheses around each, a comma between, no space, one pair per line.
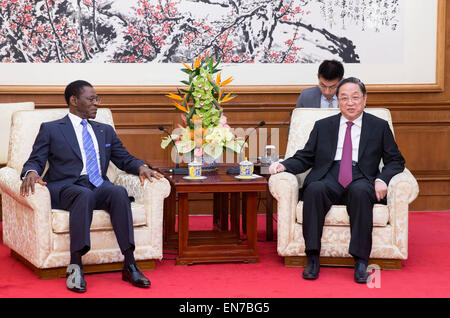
(28,183)
(380,189)
(276,167)
(146,173)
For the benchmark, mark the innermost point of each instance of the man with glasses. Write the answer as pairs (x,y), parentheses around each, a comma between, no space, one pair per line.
(344,152)
(323,95)
(78,151)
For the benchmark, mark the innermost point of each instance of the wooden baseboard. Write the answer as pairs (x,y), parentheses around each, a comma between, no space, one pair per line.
(50,273)
(300,261)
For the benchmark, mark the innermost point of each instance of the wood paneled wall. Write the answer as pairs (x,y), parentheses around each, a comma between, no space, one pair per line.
(421,119)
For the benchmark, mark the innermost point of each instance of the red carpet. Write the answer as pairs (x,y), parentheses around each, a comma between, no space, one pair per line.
(424,274)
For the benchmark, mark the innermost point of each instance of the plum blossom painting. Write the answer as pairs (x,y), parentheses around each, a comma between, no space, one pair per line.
(165,31)
(155,34)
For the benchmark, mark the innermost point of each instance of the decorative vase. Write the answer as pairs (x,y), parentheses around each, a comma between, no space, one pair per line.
(209,163)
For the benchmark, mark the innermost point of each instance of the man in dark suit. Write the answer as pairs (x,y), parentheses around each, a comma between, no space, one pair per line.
(78,151)
(344,152)
(323,95)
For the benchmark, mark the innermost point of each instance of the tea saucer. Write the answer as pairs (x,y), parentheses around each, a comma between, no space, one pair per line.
(195,178)
(253,176)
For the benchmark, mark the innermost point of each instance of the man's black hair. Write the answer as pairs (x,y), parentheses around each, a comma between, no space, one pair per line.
(331,70)
(74,89)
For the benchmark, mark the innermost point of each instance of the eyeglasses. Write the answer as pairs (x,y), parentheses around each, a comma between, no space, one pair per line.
(346,99)
(94,99)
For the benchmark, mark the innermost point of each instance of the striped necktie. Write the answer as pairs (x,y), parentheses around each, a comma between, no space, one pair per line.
(91,157)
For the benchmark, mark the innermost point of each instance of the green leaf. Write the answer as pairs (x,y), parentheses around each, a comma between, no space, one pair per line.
(216,103)
(216,88)
(210,63)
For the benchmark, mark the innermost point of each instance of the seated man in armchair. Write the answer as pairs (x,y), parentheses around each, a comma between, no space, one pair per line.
(78,151)
(344,152)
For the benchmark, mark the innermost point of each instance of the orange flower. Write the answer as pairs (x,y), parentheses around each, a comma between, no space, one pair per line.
(182,108)
(197,63)
(218,79)
(174,96)
(227,98)
(187,66)
(227,81)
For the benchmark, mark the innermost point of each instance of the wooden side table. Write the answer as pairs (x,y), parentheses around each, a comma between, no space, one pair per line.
(217,245)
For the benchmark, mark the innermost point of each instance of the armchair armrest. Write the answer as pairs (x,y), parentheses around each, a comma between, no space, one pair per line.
(10,185)
(152,196)
(284,188)
(278,183)
(402,190)
(133,185)
(403,185)
(20,214)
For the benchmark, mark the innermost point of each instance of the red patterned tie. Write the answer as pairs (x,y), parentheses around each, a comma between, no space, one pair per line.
(345,169)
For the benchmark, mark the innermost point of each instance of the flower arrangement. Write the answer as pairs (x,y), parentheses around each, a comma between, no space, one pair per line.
(206,130)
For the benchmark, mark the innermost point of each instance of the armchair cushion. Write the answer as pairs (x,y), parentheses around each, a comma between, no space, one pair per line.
(100,219)
(338,215)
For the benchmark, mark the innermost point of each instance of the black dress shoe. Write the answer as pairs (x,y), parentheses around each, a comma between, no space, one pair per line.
(75,279)
(133,275)
(312,268)
(361,273)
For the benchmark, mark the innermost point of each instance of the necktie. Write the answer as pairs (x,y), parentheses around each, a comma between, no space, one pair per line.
(91,157)
(330,103)
(345,169)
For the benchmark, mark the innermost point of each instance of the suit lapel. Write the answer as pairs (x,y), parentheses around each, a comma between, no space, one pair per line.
(100,134)
(333,134)
(364,135)
(69,133)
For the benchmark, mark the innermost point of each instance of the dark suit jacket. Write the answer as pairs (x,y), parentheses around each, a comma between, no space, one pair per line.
(57,143)
(376,143)
(309,98)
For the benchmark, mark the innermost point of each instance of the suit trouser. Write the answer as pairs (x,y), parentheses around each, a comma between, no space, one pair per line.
(359,198)
(81,198)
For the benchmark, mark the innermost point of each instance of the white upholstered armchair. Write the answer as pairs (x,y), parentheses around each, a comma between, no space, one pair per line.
(390,231)
(6,111)
(39,236)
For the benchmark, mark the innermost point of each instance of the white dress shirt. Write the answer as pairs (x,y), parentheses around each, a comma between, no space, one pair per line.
(325,102)
(356,136)
(76,122)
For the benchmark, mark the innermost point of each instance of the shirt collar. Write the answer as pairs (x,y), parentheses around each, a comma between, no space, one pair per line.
(333,99)
(357,121)
(76,120)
